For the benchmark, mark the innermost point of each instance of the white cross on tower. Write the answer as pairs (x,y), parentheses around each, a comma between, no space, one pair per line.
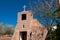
(24,7)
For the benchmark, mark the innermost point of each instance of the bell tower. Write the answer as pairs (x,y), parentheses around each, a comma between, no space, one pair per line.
(24,25)
(24,18)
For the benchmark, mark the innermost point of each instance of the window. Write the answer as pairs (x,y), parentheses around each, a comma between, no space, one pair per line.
(23,16)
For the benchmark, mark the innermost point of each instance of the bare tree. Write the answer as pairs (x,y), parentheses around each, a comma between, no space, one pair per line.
(45,9)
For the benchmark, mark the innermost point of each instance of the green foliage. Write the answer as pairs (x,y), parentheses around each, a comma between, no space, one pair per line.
(58,24)
(58,10)
(58,31)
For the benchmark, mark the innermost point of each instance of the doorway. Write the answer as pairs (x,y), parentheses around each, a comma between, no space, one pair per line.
(23,35)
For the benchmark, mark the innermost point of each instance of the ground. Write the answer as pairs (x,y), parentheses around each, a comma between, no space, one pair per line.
(5,37)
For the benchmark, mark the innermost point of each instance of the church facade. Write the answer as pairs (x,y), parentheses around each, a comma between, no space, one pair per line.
(28,28)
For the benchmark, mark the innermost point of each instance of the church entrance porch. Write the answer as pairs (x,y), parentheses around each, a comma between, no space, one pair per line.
(23,35)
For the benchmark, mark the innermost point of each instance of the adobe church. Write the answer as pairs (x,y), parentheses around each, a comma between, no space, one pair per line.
(28,28)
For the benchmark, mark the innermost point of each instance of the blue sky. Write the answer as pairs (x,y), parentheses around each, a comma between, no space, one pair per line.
(9,10)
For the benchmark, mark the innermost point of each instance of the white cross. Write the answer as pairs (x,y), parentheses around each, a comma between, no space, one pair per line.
(24,7)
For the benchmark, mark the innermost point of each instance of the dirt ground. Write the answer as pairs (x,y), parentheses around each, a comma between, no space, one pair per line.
(5,37)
